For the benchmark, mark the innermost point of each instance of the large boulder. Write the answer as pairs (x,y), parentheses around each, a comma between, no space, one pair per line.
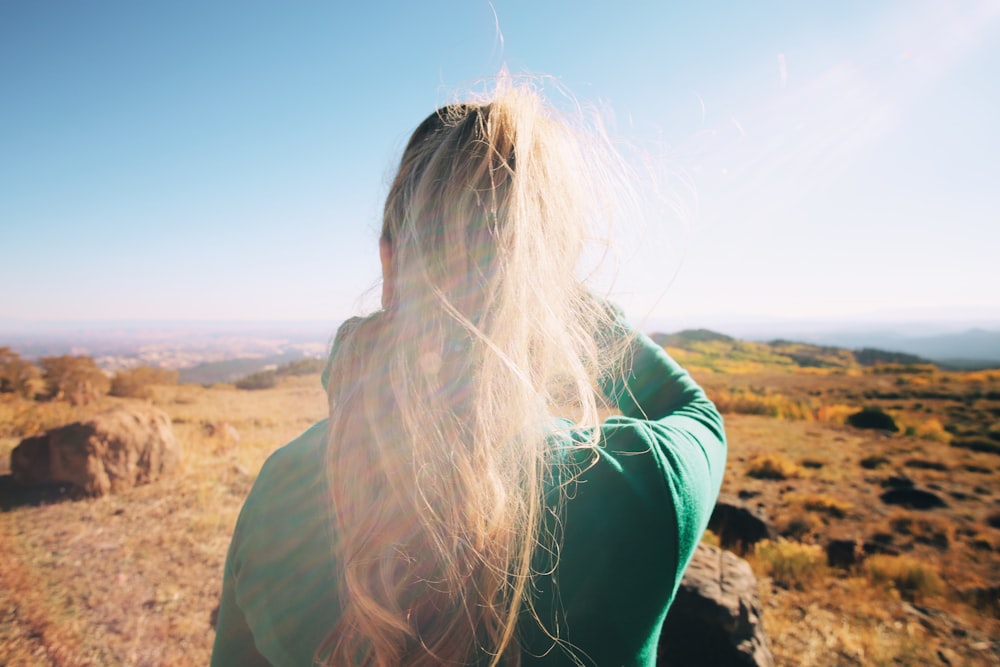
(117,449)
(738,525)
(716,616)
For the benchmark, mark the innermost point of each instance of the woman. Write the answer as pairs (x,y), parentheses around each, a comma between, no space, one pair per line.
(464,504)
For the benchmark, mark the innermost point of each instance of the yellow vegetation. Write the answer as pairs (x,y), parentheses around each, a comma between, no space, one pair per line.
(913,579)
(757,402)
(835,414)
(20,418)
(798,524)
(790,564)
(932,429)
(979,376)
(772,466)
(822,503)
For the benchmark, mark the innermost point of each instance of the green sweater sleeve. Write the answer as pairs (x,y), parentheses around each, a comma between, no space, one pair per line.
(630,519)
(662,405)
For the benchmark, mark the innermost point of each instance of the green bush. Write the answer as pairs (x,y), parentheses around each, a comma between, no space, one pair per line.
(302,367)
(259,380)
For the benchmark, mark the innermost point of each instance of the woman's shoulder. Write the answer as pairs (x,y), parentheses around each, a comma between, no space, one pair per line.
(292,481)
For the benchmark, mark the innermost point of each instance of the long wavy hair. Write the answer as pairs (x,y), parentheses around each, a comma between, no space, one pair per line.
(442,436)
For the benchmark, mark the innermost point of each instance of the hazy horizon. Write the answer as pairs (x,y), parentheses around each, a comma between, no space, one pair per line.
(903,324)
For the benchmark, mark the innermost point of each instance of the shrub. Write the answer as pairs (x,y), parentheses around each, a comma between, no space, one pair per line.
(136,382)
(932,429)
(302,367)
(76,379)
(772,466)
(790,564)
(913,579)
(873,418)
(826,504)
(259,380)
(798,525)
(18,376)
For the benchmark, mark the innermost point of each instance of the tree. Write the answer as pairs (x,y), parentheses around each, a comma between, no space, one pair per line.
(76,379)
(18,375)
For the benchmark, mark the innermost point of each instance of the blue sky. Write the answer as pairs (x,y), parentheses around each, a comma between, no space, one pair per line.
(227,160)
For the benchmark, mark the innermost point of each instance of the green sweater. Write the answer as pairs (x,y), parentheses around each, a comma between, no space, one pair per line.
(629,530)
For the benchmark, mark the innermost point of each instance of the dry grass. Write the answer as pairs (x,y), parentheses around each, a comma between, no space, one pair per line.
(798,524)
(774,466)
(132,579)
(914,579)
(838,622)
(824,503)
(758,402)
(790,564)
(845,617)
(835,414)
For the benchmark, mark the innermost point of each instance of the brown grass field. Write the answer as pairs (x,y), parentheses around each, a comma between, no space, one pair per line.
(133,578)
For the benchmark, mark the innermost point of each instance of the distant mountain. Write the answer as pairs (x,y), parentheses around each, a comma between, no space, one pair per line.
(718,352)
(974,348)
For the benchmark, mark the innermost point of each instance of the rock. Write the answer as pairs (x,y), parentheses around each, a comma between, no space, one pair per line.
(738,525)
(716,616)
(116,449)
(912,498)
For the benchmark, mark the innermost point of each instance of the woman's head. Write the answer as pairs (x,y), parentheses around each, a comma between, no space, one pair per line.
(484,192)
(442,430)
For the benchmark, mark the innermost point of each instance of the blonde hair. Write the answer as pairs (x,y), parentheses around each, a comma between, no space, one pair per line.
(442,442)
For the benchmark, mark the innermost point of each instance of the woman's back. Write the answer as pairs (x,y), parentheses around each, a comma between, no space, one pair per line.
(445,514)
(626,533)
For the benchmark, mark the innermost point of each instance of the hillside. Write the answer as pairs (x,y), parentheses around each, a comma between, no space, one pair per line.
(701,349)
(133,578)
